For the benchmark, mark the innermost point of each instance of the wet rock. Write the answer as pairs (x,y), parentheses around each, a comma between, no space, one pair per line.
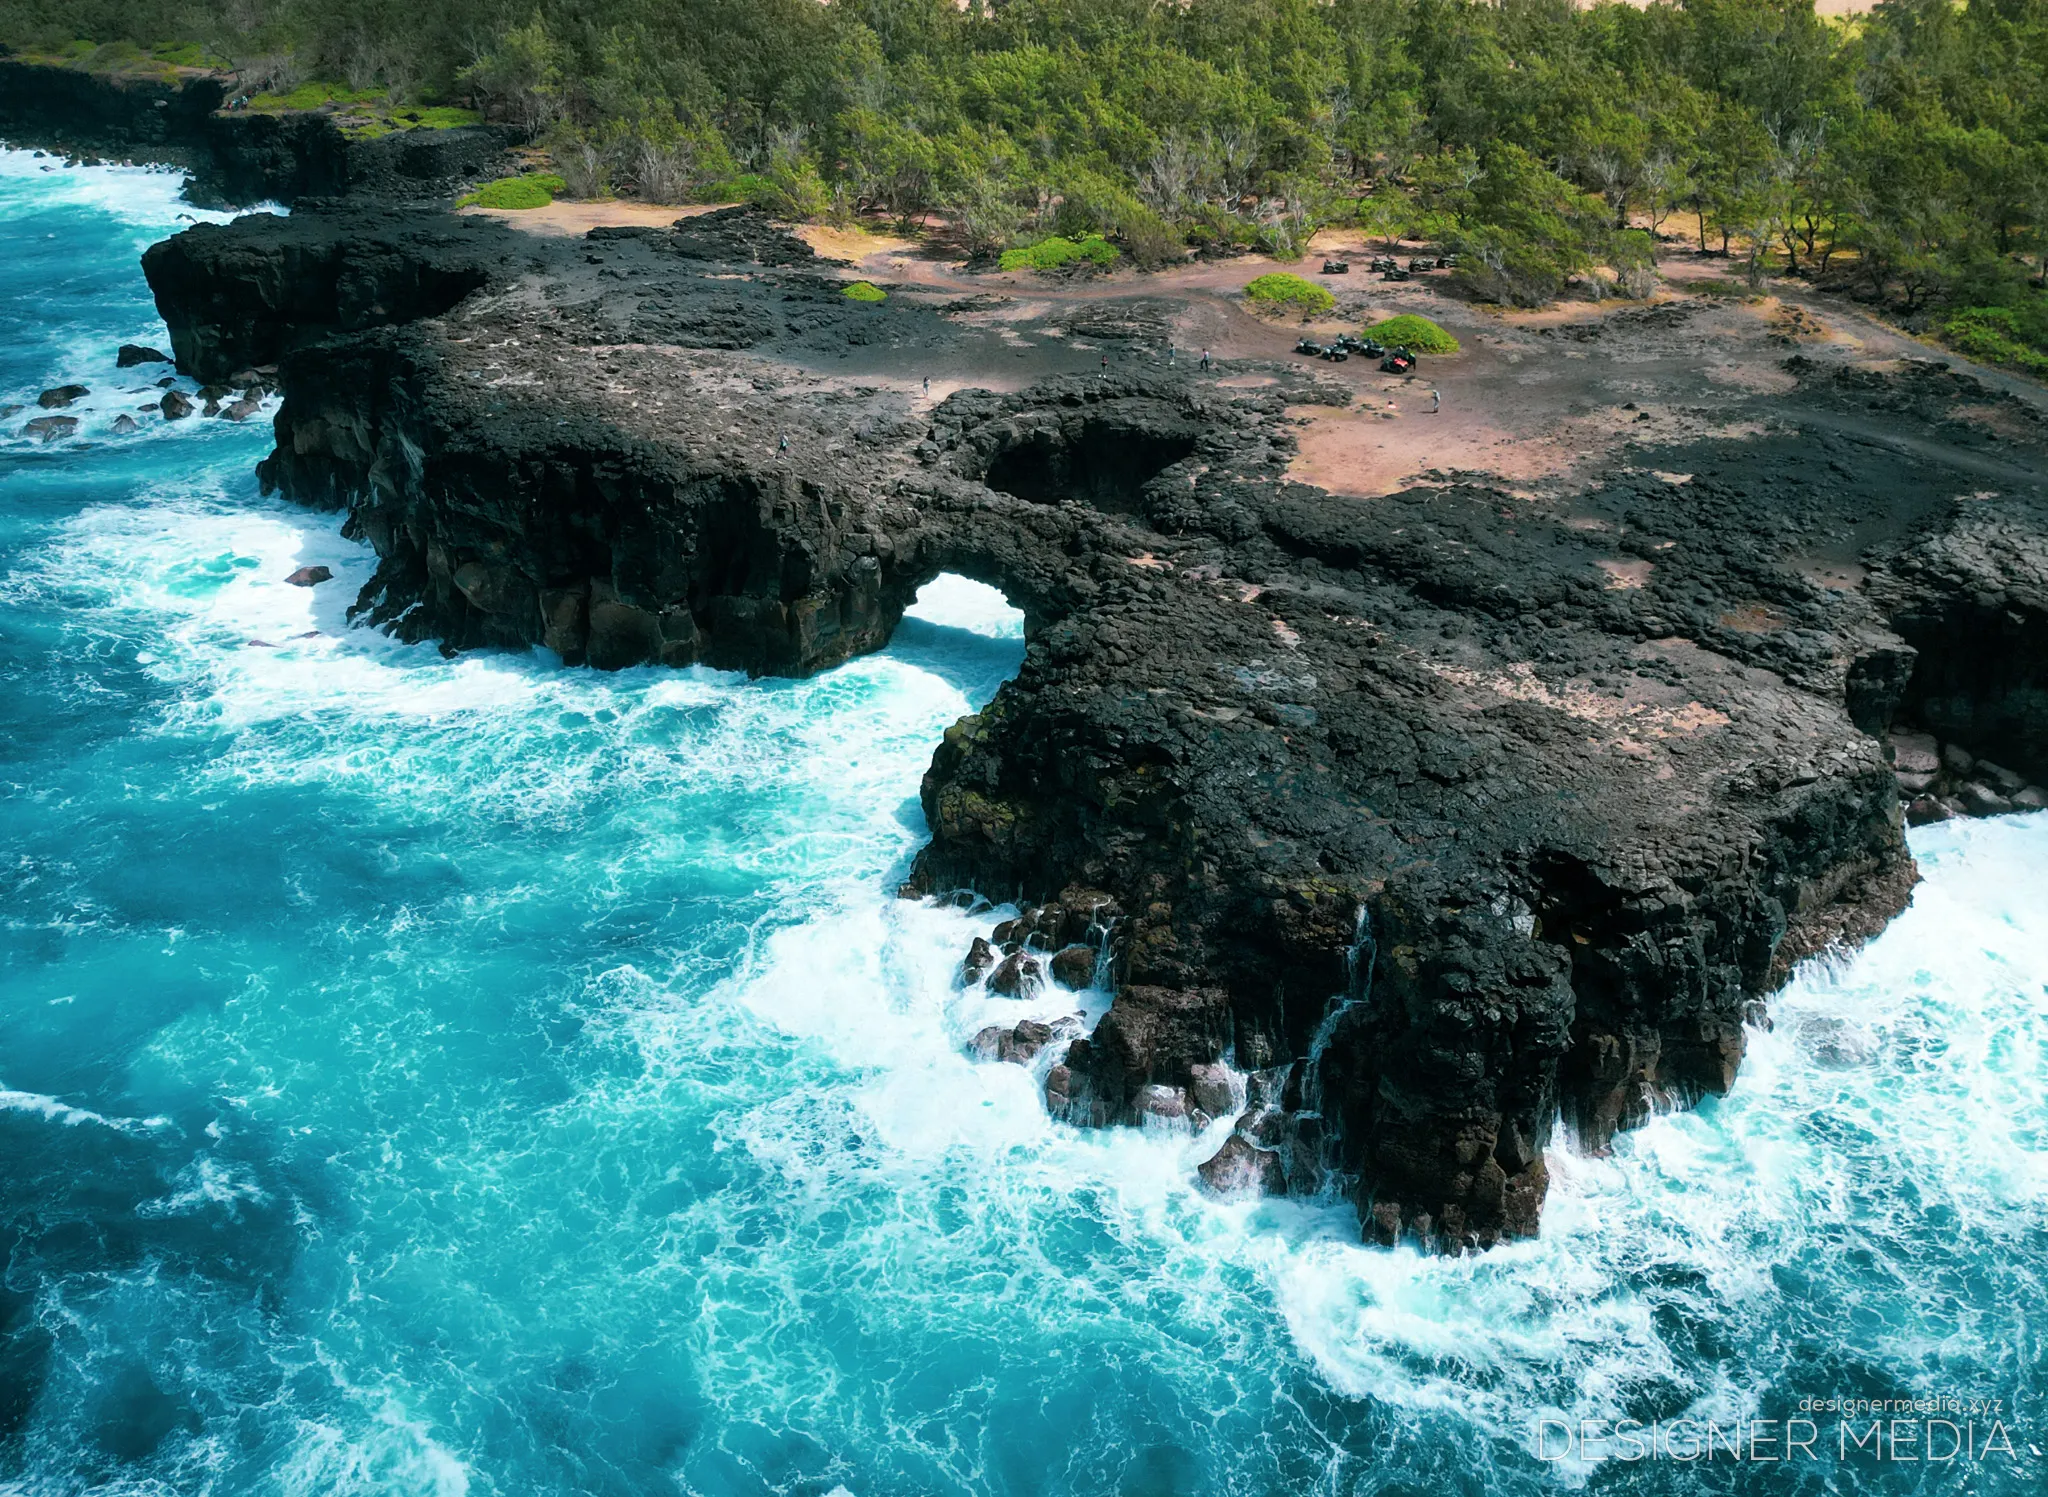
(1074,966)
(63,395)
(51,428)
(1927,809)
(1019,976)
(1957,760)
(175,405)
(1980,799)
(2003,780)
(1157,1105)
(1914,784)
(125,425)
(980,959)
(1214,1089)
(9,410)
(243,409)
(310,576)
(1241,1169)
(2033,798)
(1021,1043)
(131,354)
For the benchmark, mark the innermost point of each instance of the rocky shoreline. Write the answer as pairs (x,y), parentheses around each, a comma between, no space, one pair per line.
(1402,828)
(236,159)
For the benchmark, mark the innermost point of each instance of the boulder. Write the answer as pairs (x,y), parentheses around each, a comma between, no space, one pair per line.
(1074,966)
(243,409)
(1981,800)
(2033,798)
(1241,1169)
(1913,784)
(51,428)
(1915,753)
(176,405)
(1018,1044)
(126,425)
(131,354)
(9,410)
(1019,976)
(976,964)
(1925,809)
(1157,1104)
(1214,1089)
(1956,759)
(63,395)
(309,576)
(1999,778)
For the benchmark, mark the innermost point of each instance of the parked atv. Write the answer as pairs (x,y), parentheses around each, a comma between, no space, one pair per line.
(1336,267)
(1310,347)
(1398,361)
(1395,273)
(1335,354)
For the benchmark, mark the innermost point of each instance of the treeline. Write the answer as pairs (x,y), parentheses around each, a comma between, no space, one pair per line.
(1905,151)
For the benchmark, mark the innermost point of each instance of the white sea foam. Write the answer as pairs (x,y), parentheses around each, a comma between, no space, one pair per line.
(58,1111)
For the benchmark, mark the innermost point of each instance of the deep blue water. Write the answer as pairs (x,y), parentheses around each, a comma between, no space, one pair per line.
(475,1076)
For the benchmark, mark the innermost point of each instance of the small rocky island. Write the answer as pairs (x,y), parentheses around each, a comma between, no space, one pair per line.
(1408,823)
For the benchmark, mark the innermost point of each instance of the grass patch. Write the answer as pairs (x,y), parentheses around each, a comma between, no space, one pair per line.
(864,291)
(439,117)
(536,190)
(1410,331)
(316,96)
(1281,290)
(1058,253)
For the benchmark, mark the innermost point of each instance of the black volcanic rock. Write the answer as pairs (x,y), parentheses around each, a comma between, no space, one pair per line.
(131,354)
(1402,805)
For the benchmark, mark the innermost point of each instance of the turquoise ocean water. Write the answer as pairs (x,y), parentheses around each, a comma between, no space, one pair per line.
(429,1076)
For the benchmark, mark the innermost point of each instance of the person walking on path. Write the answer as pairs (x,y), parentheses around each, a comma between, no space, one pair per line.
(1105,366)
(782,443)
(927,387)
(1205,361)
(1436,402)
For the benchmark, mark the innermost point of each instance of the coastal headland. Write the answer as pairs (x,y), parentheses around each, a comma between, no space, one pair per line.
(1423,776)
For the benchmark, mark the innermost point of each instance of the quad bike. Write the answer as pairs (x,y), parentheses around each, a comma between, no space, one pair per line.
(1398,361)
(1336,267)
(1310,347)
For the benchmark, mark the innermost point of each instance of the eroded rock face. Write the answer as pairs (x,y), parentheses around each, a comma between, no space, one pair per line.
(1404,807)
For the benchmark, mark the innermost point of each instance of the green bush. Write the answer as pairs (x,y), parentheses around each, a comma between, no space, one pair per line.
(1057,252)
(1280,289)
(864,291)
(1999,335)
(534,191)
(1411,331)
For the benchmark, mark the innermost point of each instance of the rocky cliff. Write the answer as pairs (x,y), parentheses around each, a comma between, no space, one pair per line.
(234,158)
(1437,817)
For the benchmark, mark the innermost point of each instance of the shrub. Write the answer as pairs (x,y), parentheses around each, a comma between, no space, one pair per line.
(1411,331)
(534,191)
(1057,252)
(1282,290)
(864,291)
(1998,335)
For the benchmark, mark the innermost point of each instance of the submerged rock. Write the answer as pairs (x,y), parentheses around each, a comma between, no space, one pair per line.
(125,425)
(63,395)
(51,428)
(1019,976)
